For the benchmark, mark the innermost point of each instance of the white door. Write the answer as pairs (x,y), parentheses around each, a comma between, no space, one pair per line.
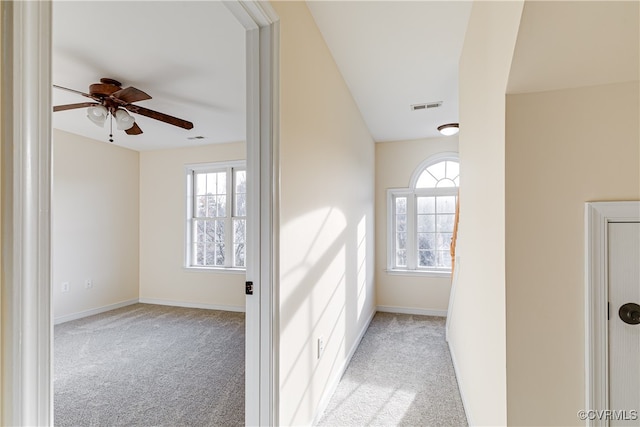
(624,337)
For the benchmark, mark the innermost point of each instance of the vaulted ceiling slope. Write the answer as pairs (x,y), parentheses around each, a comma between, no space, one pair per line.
(393,54)
(189,56)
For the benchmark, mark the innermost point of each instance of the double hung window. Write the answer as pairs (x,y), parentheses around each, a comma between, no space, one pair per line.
(216,215)
(421,218)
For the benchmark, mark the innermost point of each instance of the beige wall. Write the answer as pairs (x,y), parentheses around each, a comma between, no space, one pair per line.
(395,164)
(94,229)
(563,149)
(163,278)
(326,218)
(477,320)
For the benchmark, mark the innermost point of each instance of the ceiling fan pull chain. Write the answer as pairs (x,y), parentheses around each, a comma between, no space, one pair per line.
(110,127)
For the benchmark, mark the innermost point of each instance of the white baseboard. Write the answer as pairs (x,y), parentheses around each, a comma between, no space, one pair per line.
(333,383)
(409,310)
(157,301)
(93,311)
(461,388)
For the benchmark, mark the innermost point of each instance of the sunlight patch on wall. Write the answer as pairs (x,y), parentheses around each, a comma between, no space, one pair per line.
(361,279)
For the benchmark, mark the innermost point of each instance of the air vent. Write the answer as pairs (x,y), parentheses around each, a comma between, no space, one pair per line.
(426,106)
(196,137)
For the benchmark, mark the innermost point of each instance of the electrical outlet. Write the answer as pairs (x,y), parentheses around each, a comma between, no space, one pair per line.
(65,286)
(88,284)
(320,346)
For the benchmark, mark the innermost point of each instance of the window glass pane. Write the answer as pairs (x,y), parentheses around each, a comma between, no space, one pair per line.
(201,206)
(426,258)
(220,256)
(210,254)
(219,231)
(201,184)
(426,223)
(457,181)
(401,222)
(453,169)
(426,241)
(199,254)
(221,183)
(239,255)
(446,204)
(444,259)
(444,241)
(221,205)
(426,205)
(401,240)
(401,258)
(445,223)
(239,226)
(437,170)
(211,206)
(401,205)
(241,205)
(241,181)
(426,180)
(210,231)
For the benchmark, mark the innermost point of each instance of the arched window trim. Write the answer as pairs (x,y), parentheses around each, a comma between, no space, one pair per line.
(430,161)
(412,192)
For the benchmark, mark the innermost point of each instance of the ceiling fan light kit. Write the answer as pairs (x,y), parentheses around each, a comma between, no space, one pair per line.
(111,98)
(449,129)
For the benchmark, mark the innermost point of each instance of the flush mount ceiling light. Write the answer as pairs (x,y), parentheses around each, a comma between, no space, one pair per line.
(449,129)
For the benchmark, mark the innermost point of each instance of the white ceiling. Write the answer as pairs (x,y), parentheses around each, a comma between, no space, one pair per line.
(393,54)
(189,56)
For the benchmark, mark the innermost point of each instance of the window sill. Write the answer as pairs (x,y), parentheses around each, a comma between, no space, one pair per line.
(421,273)
(223,270)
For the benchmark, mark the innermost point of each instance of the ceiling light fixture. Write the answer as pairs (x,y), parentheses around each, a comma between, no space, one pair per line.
(124,121)
(449,129)
(97,114)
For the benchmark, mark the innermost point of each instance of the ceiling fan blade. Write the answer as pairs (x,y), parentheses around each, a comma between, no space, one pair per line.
(72,106)
(74,91)
(159,116)
(134,130)
(130,94)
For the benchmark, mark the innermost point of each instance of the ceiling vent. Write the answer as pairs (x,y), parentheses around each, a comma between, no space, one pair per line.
(426,106)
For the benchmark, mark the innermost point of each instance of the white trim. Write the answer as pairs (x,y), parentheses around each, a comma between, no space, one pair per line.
(411,310)
(26,394)
(93,311)
(215,270)
(422,273)
(465,405)
(263,117)
(213,166)
(334,381)
(597,217)
(172,303)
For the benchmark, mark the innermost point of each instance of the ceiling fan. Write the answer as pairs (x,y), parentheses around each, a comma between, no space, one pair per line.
(110,98)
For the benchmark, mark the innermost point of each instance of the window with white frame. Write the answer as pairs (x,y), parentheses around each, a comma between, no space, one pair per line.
(216,215)
(421,218)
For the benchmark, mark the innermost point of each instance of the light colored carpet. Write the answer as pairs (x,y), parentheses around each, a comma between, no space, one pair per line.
(150,365)
(400,375)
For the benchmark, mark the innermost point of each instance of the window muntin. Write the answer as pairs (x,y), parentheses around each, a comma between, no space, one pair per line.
(216,216)
(422,218)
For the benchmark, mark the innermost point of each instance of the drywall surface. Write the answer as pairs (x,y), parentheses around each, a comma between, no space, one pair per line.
(563,149)
(94,229)
(395,164)
(326,218)
(477,335)
(163,198)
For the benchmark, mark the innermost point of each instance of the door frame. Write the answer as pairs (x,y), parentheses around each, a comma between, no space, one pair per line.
(598,215)
(25,298)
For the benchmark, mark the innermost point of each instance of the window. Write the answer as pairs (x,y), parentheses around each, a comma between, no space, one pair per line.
(421,217)
(216,215)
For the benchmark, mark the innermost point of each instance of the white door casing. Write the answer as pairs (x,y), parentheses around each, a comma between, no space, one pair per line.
(598,216)
(624,339)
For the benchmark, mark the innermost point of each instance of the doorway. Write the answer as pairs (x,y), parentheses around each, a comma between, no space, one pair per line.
(26,293)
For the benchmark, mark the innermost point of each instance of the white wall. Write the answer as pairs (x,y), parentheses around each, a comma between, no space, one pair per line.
(326,218)
(94,228)
(563,149)
(477,335)
(163,278)
(395,163)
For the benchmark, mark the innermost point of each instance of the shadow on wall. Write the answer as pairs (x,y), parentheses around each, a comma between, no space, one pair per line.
(323,294)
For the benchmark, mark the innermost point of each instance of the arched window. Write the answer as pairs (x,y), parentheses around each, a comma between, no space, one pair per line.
(421,217)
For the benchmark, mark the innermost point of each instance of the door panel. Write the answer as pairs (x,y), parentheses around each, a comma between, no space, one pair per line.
(624,339)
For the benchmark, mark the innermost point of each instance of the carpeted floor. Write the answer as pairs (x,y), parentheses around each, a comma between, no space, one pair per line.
(400,375)
(150,365)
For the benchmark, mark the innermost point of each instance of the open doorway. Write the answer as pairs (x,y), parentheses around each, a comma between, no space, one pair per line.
(26,397)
